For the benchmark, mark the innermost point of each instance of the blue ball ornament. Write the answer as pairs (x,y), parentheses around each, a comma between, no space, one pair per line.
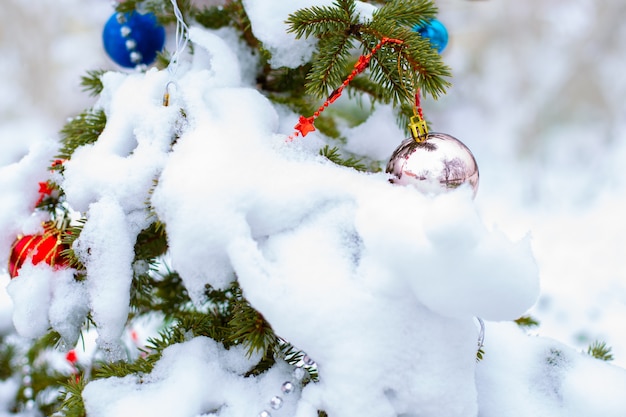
(435,31)
(133,39)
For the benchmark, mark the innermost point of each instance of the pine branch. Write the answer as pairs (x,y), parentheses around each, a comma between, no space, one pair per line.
(81,130)
(67,240)
(151,242)
(8,356)
(153,292)
(600,350)
(329,66)
(250,328)
(214,17)
(527,321)
(92,82)
(321,20)
(406,12)
(334,155)
(400,70)
(295,357)
(232,13)
(280,80)
(72,404)
(47,341)
(420,65)
(266,362)
(142,365)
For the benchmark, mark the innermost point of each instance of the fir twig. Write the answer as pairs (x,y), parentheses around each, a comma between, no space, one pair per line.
(406,12)
(329,67)
(600,350)
(527,321)
(81,130)
(480,354)
(399,70)
(92,82)
(72,404)
(334,155)
(320,20)
(7,359)
(250,328)
(67,240)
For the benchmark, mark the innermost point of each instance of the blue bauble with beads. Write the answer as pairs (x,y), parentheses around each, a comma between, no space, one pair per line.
(133,39)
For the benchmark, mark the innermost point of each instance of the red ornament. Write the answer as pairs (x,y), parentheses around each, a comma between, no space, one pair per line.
(44,190)
(305,125)
(71,357)
(42,248)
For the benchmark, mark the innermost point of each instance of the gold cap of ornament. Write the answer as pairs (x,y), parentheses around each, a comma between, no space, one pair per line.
(418,128)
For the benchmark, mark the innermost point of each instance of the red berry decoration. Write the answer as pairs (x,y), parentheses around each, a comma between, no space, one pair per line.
(42,248)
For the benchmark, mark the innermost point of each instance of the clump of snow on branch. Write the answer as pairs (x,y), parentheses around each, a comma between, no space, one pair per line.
(192,378)
(378,283)
(22,167)
(529,376)
(237,200)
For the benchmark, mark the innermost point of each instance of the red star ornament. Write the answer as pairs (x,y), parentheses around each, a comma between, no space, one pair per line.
(305,125)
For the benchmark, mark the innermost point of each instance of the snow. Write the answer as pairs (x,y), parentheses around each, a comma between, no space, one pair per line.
(283,234)
(551,381)
(192,378)
(378,283)
(375,138)
(268,25)
(19,178)
(31,298)
(219,57)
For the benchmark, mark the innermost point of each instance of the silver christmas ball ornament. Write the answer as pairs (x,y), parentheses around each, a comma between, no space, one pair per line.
(433,164)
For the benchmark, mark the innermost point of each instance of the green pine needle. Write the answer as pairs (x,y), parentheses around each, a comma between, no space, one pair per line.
(151,242)
(72,404)
(213,17)
(250,328)
(600,350)
(7,359)
(398,70)
(527,322)
(81,130)
(406,12)
(92,82)
(142,365)
(67,240)
(334,155)
(321,20)
(330,66)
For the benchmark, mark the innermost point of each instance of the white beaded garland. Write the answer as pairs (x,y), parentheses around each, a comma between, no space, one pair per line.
(28,391)
(287,387)
(276,402)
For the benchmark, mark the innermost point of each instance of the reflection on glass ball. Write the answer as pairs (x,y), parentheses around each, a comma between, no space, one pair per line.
(439,163)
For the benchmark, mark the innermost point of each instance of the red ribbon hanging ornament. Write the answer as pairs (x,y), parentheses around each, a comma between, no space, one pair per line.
(432,162)
(306,125)
(46,247)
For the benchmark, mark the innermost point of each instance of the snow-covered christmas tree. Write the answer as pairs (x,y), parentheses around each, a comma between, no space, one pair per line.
(217,235)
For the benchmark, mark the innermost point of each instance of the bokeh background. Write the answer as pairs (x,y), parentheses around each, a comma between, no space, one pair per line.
(538,95)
